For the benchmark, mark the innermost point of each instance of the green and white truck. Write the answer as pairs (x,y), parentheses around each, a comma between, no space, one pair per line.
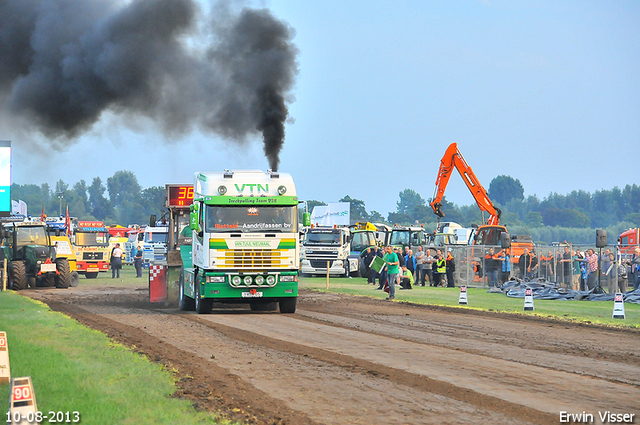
(245,246)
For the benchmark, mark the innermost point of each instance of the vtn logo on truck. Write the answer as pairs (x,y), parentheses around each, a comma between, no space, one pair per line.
(258,187)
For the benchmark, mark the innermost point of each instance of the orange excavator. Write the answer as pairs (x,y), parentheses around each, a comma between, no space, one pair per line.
(489,232)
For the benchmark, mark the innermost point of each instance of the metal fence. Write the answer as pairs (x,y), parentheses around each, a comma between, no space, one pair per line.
(473,267)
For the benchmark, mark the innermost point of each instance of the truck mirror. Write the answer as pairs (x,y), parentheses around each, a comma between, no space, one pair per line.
(306,219)
(505,240)
(152,220)
(193,220)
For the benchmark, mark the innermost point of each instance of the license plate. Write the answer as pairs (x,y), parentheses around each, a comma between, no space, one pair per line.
(93,270)
(250,295)
(48,267)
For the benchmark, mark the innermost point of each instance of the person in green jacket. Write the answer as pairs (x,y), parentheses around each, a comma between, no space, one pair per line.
(391,258)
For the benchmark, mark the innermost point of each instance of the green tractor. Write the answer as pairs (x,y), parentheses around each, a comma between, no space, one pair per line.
(31,258)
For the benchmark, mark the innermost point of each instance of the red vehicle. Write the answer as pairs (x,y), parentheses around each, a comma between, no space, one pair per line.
(489,232)
(628,240)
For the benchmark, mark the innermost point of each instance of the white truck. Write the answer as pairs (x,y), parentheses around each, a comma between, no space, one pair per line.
(154,245)
(341,247)
(245,246)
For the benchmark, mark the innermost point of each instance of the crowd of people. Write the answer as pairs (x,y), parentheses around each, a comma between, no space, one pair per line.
(404,269)
(571,269)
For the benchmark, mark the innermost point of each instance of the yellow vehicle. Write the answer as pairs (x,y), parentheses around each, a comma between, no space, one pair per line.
(64,249)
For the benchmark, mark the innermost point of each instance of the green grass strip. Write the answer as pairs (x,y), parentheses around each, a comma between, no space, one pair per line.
(597,312)
(75,368)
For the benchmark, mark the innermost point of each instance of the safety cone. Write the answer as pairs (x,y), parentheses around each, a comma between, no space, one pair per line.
(463,295)
(22,403)
(5,370)
(618,306)
(528,300)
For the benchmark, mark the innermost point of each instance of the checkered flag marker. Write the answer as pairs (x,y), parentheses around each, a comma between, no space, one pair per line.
(528,299)
(463,295)
(618,306)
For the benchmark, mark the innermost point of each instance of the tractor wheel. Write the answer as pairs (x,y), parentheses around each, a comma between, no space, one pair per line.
(184,302)
(91,275)
(17,276)
(203,306)
(48,280)
(63,278)
(75,279)
(288,305)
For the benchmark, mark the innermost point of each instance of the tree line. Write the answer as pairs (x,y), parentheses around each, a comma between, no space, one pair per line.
(555,218)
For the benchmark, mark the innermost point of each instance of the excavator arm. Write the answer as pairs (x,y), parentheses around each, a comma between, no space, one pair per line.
(453,158)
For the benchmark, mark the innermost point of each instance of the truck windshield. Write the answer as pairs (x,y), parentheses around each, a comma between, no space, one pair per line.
(92,239)
(362,241)
(250,219)
(322,237)
(156,237)
(399,237)
(31,236)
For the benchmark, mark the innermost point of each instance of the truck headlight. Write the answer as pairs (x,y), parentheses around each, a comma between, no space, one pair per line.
(259,280)
(236,280)
(247,280)
(271,280)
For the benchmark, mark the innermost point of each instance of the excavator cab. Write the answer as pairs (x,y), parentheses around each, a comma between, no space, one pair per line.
(488,235)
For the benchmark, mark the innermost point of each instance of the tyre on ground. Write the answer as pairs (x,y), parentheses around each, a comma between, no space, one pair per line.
(288,305)
(17,275)
(75,279)
(203,306)
(184,302)
(63,277)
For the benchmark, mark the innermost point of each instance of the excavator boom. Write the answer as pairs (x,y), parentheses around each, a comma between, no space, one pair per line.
(453,158)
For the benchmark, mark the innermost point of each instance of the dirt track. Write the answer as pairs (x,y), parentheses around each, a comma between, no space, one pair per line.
(346,360)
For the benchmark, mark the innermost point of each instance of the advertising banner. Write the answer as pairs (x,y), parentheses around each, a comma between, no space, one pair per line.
(335,213)
(5,177)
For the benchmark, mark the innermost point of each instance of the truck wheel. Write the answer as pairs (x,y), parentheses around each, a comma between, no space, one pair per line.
(17,276)
(256,306)
(91,275)
(288,305)
(63,278)
(75,279)
(203,306)
(184,302)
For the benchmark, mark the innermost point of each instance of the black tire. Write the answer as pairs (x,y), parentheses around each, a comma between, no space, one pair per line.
(75,279)
(184,302)
(288,305)
(258,306)
(202,306)
(48,280)
(91,275)
(63,277)
(31,280)
(17,276)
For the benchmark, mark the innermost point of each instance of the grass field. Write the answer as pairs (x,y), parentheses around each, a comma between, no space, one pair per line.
(74,368)
(598,312)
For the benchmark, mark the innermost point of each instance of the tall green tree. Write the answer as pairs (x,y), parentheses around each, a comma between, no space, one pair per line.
(409,199)
(100,206)
(357,209)
(503,189)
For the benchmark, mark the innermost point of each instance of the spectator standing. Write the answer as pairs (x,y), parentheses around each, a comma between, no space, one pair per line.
(635,268)
(451,267)
(505,255)
(368,258)
(491,264)
(420,266)
(428,266)
(575,269)
(440,268)
(137,262)
(566,268)
(592,268)
(391,258)
(524,263)
(605,272)
(410,262)
(533,270)
(116,261)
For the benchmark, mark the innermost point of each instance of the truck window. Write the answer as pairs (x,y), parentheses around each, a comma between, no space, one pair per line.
(156,237)
(399,237)
(92,238)
(314,237)
(248,219)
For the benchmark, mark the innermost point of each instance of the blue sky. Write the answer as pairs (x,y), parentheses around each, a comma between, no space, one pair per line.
(546,92)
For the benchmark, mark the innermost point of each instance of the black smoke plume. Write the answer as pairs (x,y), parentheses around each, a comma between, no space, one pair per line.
(63,63)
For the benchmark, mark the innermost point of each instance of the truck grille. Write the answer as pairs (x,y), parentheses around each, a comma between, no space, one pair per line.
(253,258)
(92,256)
(319,264)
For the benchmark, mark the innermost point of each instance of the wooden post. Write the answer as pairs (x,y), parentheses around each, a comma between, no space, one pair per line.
(328,275)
